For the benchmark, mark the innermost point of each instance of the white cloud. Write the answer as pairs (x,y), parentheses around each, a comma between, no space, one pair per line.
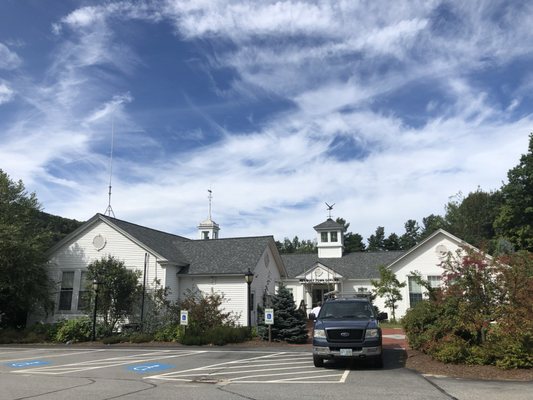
(333,61)
(6,93)
(8,58)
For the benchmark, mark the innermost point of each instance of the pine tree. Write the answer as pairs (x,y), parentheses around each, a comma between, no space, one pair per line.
(290,323)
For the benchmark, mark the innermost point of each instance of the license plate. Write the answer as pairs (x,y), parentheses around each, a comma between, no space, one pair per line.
(346,352)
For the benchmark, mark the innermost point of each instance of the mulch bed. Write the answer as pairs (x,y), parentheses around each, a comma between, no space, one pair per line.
(426,365)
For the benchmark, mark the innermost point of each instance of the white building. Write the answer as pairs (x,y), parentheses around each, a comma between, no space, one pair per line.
(212,263)
(310,276)
(174,261)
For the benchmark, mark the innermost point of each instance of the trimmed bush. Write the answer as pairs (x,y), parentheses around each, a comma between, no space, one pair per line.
(114,339)
(217,336)
(140,338)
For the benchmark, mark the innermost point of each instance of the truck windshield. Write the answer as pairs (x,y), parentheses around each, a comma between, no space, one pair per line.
(346,310)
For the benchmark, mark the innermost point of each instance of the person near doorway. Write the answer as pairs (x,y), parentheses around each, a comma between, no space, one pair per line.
(316,309)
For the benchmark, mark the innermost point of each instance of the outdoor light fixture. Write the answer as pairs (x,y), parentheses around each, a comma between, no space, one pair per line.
(249,277)
(96,284)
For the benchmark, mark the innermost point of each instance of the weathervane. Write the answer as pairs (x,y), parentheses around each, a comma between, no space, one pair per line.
(330,207)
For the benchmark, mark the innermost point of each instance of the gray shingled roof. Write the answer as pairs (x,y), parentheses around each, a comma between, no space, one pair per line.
(328,224)
(223,256)
(358,265)
(214,256)
(166,244)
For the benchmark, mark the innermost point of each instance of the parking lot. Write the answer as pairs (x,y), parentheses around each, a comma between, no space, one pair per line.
(221,373)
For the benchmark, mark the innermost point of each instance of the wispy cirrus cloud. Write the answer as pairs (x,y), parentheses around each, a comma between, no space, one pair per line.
(388,111)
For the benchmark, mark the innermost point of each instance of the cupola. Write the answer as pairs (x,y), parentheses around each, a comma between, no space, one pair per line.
(330,239)
(208,229)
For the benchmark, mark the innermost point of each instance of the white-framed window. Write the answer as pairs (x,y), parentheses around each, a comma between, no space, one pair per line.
(415,292)
(83,294)
(323,236)
(67,288)
(435,281)
(334,236)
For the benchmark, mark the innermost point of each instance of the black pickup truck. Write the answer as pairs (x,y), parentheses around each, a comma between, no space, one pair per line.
(347,328)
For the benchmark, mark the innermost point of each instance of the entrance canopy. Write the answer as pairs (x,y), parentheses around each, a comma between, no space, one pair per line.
(319,274)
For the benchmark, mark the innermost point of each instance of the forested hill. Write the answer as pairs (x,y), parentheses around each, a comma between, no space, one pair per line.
(57,226)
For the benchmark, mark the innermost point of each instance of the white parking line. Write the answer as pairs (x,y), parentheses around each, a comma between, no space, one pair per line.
(268,366)
(51,356)
(107,362)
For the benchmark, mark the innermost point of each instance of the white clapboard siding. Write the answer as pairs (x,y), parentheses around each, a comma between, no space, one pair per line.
(77,254)
(233,288)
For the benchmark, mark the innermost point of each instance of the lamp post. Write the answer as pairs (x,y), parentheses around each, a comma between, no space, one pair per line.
(249,277)
(95,287)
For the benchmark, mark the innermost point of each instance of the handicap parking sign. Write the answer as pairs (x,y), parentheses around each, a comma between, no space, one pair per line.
(184,318)
(269,316)
(149,367)
(27,364)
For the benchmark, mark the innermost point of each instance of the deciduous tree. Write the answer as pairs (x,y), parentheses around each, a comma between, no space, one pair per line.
(388,287)
(118,290)
(24,284)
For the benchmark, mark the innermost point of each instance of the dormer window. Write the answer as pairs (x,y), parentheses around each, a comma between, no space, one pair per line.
(334,236)
(323,236)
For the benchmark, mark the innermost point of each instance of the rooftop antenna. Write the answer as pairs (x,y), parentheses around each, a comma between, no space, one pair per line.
(109,210)
(330,207)
(210,197)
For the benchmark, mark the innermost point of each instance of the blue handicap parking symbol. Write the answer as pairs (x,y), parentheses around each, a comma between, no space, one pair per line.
(269,316)
(149,367)
(26,364)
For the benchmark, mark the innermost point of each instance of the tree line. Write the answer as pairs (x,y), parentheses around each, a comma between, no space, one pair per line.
(497,221)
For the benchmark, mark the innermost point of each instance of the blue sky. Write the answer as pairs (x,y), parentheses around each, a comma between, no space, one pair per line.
(385,108)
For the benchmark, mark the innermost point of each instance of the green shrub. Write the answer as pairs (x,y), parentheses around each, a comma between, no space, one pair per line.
(9,335)
(33,337)
(515,353)
(419,325)
(140,337)
(451,350)
(480,355)
(115,339)
(169,333)
(74,330)
(217,336)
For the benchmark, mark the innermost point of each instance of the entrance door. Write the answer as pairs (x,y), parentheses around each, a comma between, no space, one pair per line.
(318,294)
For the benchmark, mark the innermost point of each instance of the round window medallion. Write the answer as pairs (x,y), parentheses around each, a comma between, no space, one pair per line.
(99,242)
(441,249)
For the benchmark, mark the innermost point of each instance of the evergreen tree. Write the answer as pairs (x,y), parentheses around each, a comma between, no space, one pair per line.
(431,223)
(376,241)
(352,241)
(290,323)
(392,243)
(411,236)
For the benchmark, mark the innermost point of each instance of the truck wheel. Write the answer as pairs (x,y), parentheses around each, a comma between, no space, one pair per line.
(318,361)
(378,362)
